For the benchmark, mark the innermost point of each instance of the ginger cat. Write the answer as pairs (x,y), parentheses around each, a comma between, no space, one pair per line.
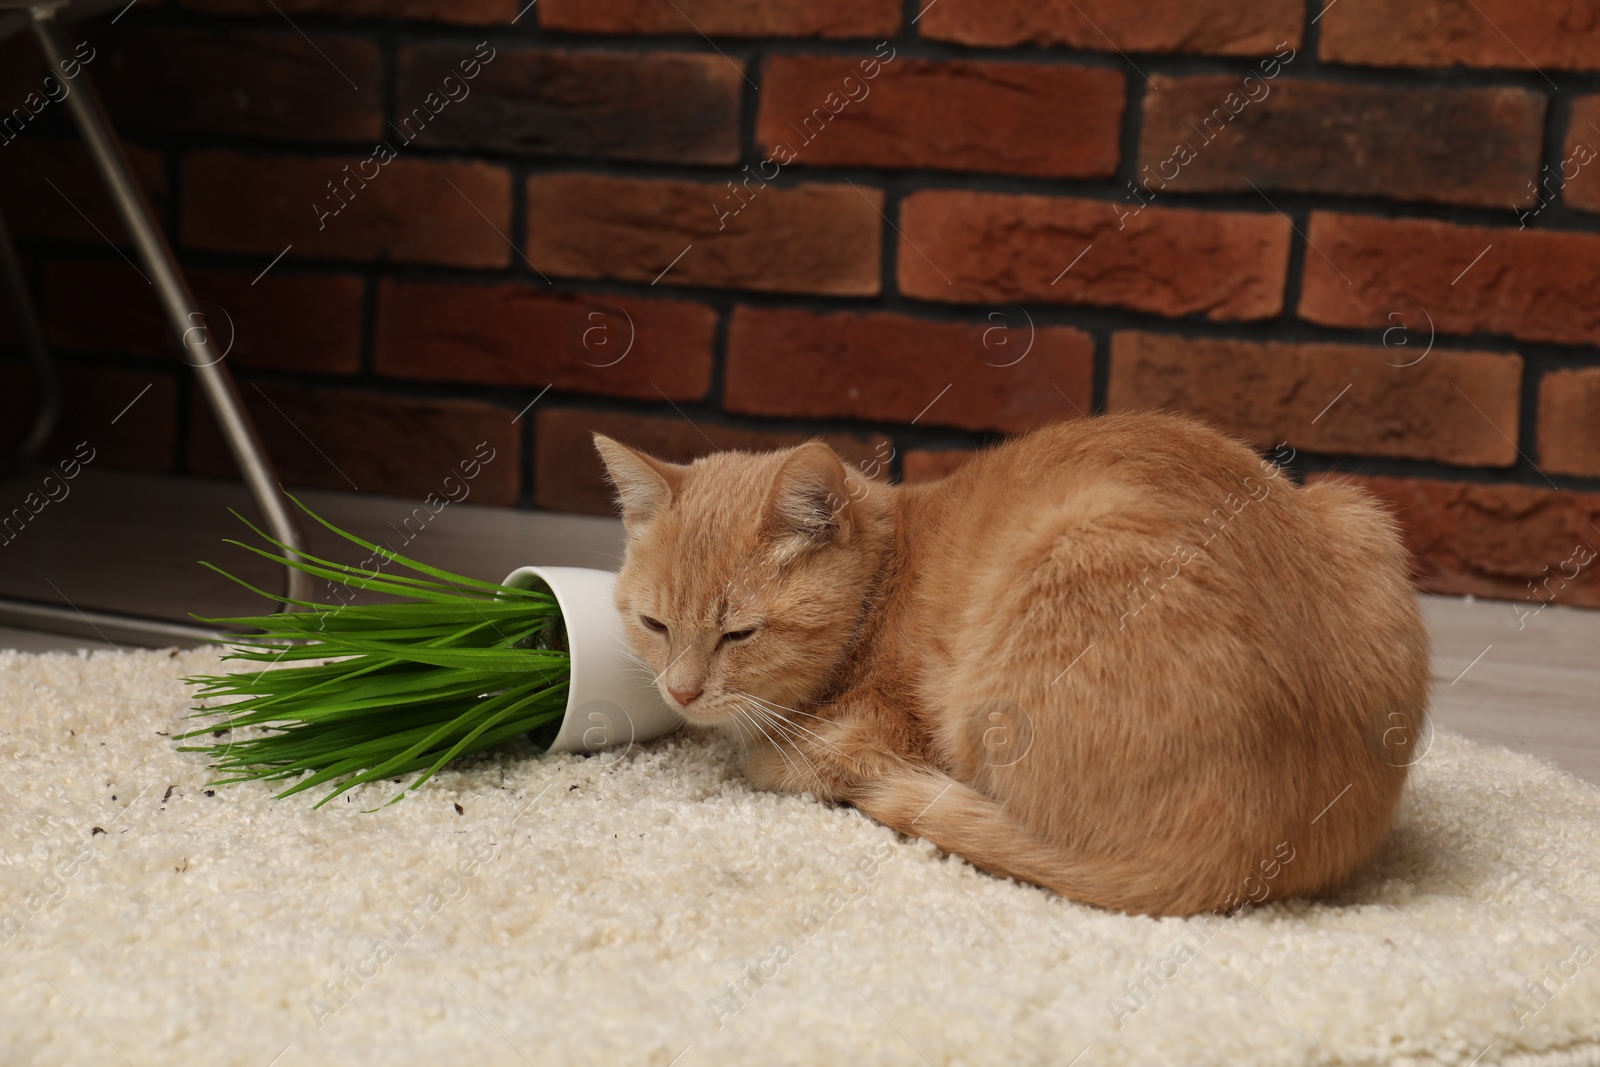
(1123,657)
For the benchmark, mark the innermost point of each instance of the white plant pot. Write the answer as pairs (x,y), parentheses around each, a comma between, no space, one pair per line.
(611,703)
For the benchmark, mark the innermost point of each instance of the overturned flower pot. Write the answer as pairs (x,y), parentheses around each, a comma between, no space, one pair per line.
(611,701)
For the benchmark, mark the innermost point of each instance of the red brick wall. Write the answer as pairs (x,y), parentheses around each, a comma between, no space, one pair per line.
(1368,231)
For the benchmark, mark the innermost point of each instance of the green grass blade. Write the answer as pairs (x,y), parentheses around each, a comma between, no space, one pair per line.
(399,687)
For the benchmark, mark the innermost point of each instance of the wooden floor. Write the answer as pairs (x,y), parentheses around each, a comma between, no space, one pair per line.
(130,544)
(1530,683)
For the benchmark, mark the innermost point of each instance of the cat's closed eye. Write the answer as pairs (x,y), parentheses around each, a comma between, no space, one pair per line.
(733,635)
(738,635)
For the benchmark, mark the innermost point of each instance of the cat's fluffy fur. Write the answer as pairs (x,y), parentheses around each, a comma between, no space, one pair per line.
(1124,657)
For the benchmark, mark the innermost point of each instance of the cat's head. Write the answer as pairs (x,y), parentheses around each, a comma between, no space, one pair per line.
(745,573)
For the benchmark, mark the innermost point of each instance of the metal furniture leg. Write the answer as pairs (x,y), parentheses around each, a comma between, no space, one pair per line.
(177,302)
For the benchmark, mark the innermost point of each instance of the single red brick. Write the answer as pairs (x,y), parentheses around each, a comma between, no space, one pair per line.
(173,79)
(521,335)
(400,446)
(50,189)
(930,464)
(285,321)
(471,12)
(568,475)
(1218,133)
(408,210)
(951,115)
(661,107)
(984,248)
(806,238)
(1503,541)
(129,417)
(1569,422)
(725,18)
(1519,34)
(1576,179)
(999,372)
(1454,407)
(288,321)
(1214,27)
(1526,283)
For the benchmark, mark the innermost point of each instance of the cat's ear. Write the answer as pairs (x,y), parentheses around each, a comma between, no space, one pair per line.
(807,504)
(644,484)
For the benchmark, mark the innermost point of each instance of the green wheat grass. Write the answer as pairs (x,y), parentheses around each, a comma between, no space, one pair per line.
(448,667)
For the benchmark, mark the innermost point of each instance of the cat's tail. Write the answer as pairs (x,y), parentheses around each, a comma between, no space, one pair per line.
(960,820)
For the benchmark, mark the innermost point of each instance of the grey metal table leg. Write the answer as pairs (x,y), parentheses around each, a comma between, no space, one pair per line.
(177,302)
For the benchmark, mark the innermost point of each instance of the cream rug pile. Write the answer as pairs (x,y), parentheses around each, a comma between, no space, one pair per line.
(651,909)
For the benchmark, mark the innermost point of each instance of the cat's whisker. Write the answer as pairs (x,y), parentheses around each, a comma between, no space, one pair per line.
(655,675)
(779,748)
(742,724)
(744,744)
(797,711)
(801,730)
(640,660)
(801,727)
(781,726)
(647,671)
(833,748)
(752,700)
(794,768)
(769,702)
(739,727)
(740,721)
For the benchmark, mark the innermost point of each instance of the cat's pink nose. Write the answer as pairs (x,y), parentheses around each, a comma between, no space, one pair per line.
(683,696)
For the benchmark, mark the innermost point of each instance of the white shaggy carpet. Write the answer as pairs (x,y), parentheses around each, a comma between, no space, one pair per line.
(590,911)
